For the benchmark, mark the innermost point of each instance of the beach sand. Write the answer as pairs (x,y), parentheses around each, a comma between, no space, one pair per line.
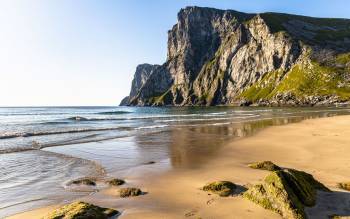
(320,147)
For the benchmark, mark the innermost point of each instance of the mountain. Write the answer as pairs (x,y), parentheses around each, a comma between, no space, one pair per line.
(226,57)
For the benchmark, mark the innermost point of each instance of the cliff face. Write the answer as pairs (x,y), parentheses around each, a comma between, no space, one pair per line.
(141,75)
(228,57)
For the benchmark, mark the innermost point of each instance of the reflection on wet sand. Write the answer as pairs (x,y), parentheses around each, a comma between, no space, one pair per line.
(189,147)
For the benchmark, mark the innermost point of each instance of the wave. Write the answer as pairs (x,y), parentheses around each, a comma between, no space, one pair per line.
(114,112)
(31,134)
(152,127)
(78,118)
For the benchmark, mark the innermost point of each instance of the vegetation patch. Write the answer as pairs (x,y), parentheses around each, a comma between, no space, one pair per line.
(222,188)
(81,210)
(304,80)
(262,88)
(116,182)
(316,80)
(265,165)
(286,192)
(127,192)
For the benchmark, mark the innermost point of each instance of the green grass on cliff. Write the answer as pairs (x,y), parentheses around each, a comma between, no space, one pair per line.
(303,80)
(262,88)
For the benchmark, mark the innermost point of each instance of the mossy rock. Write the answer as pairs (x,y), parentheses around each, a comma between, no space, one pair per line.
(116,182)
(85,181)
(222,188)
(265,165)
(81,210)
(345,186)
(286,192)
(127,192)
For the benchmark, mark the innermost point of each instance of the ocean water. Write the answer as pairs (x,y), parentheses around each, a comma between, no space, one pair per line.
(44,148)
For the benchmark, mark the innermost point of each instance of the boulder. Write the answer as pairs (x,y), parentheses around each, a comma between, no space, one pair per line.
(81,210)
(222,188)
(116,182)
(127,192)
(286,192)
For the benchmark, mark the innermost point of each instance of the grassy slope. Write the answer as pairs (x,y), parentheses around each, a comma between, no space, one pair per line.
(304,80)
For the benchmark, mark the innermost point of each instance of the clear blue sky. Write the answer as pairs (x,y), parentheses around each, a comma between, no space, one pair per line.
(84,52)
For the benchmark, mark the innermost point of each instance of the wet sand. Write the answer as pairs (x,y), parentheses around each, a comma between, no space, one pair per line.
(319,146)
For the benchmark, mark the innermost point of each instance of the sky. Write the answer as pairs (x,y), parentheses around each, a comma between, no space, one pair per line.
(85,52)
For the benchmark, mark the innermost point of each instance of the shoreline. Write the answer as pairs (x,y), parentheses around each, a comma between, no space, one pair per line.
(317,146)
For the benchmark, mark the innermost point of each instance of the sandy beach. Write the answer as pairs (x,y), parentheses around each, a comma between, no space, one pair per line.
(318,146)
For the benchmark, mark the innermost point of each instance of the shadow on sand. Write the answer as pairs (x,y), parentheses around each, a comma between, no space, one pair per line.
(330,204)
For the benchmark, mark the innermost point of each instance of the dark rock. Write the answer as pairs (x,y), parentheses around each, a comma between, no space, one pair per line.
(116,182)
(344,185)
(84,181)
(127,192)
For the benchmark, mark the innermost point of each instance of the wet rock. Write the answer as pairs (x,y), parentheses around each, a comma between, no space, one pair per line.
(84,181)
(222,188)
(286,192)
(116,182)
(345,186)
(127,192)
(81,210)
(265,165)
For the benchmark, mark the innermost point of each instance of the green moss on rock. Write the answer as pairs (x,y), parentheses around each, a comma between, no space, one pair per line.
(286,192)
(344,185)
(127,192)
(265,165)
(116,182)
(81,210)
(222,188)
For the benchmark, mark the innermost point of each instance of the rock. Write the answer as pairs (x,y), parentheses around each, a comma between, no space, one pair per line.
(84,181)
(126,192)
(81,210)
(218,57)
(116,182)
(265,165)
(345,186)
(222,188)
(149,163)
(125,101)
(286,192)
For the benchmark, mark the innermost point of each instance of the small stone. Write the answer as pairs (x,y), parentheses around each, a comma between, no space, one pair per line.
(345,186)
(87,182)
(126,192)
(222,188)
(116,182)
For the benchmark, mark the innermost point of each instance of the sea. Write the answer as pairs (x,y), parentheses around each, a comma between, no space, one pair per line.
(42,149)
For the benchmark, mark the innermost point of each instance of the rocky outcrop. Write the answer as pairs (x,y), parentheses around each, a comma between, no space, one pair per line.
(228,57)
(141,75)
(287,192)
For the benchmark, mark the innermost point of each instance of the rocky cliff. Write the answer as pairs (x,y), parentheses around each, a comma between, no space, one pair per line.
(228,57)
(141,75)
